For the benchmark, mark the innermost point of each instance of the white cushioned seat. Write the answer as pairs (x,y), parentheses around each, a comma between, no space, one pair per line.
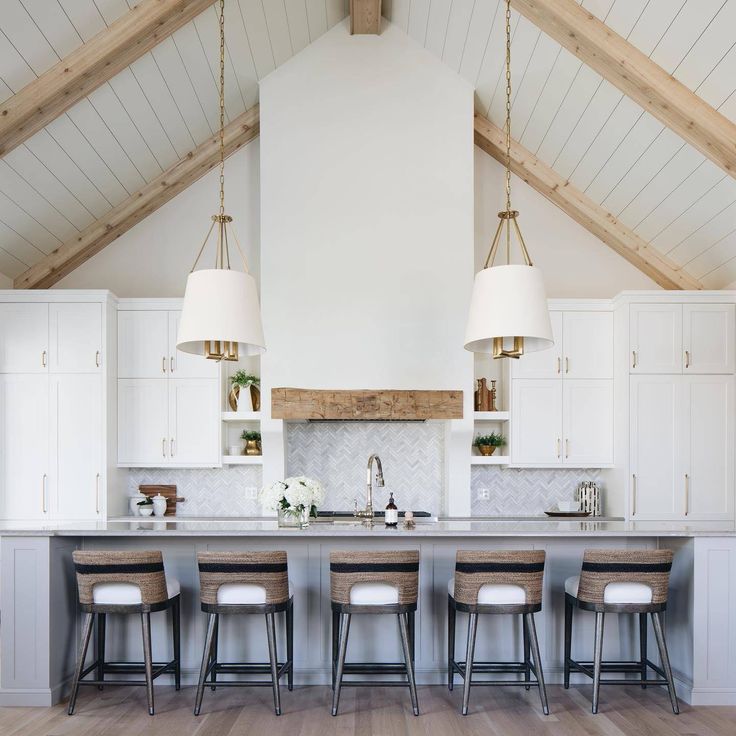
(127,594)
(374,594)
(615,592)
(244,594)
(495,594)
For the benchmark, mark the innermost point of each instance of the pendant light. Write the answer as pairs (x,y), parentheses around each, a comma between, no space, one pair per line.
(508,309)
(221,317)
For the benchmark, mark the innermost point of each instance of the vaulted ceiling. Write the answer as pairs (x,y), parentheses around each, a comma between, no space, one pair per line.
(142,121)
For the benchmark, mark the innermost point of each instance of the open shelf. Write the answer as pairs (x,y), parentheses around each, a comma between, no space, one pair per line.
(491,416)
(489,459)
(242,459)
(241,416)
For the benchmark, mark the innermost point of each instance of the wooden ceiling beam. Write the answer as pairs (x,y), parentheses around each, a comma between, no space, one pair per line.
(121,218)
(582,209)
(637,76)
(365,17)
(86,68)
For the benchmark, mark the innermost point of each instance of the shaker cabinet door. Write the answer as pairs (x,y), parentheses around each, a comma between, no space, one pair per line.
(24,337)
(75,331)
(656,447)
(587,345)
(708,338)
(542,363)
(194,422)
(143,346)
(143,438)
(536,428)
(587,422)
(655,338)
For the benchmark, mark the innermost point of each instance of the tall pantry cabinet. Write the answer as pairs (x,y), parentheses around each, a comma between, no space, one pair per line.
(56,449)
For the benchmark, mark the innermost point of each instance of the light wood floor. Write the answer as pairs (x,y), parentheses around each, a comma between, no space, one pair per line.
(370,712)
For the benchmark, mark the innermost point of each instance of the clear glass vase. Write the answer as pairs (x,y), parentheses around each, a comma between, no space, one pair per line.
(294,519)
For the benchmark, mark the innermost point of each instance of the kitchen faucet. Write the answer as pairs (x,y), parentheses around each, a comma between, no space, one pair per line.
(367,512)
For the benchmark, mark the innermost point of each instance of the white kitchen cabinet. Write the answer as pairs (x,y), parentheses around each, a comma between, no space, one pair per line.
(655,338)
(75,337)
(24,449)
(24,337)
(587,339)
(143,421)
(543,363)
(536,427)
(708,338)
(194,422)
(76,475)
(587,422)
(186,365)
(143,347)
(682,446)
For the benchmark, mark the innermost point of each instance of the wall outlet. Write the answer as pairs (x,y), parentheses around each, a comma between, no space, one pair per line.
(251,493)
(484,494)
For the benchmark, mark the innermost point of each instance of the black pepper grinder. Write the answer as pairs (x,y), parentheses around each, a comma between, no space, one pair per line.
(392,512)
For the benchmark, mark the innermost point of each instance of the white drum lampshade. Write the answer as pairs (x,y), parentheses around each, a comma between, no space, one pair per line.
(221,305)
(507,302)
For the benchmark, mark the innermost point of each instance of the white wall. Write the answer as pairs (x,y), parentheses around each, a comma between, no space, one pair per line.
(154,257)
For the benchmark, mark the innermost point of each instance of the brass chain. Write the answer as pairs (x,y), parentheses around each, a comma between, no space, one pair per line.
(222,107)
(508,130)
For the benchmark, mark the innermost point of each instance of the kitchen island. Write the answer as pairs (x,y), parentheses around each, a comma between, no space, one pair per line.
(40,620)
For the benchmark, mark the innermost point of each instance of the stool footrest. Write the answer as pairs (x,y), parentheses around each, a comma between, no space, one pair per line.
(375,668)
(626,667)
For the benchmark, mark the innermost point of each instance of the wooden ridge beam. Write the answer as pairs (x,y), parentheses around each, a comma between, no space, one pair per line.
(637,76)
(365,17)
(86,68)
(121,218)
(582,209)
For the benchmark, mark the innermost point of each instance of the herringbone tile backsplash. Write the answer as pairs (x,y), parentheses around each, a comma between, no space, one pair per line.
(336,454)
(230,491)
(523,492)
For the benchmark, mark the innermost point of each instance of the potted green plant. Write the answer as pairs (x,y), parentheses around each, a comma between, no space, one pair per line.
(252,442)
(245,392)
(487,443)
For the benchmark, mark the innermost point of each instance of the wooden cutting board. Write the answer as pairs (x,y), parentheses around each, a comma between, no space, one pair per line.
(168,492)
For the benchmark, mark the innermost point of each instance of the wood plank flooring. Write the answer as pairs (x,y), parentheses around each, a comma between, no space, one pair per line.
(370,712)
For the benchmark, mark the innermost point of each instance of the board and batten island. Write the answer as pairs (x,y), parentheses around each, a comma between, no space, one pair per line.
(40,630)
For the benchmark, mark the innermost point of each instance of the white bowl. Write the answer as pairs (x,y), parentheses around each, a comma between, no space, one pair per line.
(145,510)
(568,506)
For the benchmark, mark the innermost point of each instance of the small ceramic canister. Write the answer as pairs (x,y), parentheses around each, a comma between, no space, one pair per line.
(133,503)
(159,505)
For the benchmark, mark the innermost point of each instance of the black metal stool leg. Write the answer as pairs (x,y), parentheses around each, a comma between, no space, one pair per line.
(343,647)
(527,653)
(538,671)
(176,629)
(335,644)
(451,617)
(410,624)
(469,654)
(598,658)
(290,644)
(86,634)
(569,609)
(665,659)
(273,657)
(643,647)
(148,658)
(406,645)
(101,621)
(205,662)
(213,654)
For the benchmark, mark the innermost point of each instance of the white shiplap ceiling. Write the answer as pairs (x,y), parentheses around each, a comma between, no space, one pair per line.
(148,116)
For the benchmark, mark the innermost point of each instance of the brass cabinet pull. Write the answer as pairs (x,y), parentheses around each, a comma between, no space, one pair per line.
(559,450)
(97,494)
(633,494)
(43,358)
(97,358)
(633,354)
(171,446)
(163,446)
(687,494)
(567,365)
(567,447)
(559,364)
(43,493)
(163,364)
(171,364)
(687,359)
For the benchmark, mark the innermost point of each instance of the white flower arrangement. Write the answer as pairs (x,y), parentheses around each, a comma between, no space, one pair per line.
(293,495)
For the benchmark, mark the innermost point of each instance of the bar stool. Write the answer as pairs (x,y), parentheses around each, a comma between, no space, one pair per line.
(245,583)
(495,583)
(621,581)
(124,582)
(374,582)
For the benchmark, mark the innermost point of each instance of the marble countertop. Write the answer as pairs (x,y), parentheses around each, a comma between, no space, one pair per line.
(448,527)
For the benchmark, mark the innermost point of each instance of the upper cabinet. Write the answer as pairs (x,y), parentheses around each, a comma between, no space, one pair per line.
(147,347)
(24,337)
(583,348)
(681,338)
(75,331)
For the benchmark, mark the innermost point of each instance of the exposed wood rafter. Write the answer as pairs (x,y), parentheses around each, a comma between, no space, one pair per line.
(365,16)
(182,174)
(637,76)
(89,66)
(582,209)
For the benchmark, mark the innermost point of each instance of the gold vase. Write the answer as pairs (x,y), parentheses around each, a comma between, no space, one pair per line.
(487,450)
(252,447)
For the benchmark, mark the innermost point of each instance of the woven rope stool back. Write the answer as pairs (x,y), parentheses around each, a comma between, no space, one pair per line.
(473,569)
(144,569)
(603,566)
(399,568)
(268,569)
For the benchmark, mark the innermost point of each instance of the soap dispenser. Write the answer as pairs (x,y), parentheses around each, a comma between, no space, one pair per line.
(392,512)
